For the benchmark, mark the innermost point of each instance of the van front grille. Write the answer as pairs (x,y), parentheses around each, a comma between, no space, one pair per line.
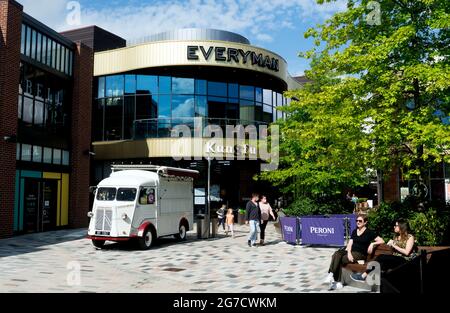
(103,220)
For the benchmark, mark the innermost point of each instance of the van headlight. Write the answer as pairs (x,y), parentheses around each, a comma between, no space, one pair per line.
(124,216)
(90,214)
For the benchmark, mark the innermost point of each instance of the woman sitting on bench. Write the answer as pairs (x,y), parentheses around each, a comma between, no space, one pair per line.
(403,250)
(359,245)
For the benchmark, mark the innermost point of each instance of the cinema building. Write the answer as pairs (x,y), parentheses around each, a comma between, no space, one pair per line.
(190,77)
(45,125)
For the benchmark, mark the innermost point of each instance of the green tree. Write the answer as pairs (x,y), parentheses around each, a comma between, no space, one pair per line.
(378,97)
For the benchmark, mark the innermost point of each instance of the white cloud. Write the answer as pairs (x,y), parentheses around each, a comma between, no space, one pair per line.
(257,20)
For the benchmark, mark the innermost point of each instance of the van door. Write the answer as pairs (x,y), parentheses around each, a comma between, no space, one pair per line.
(147,206)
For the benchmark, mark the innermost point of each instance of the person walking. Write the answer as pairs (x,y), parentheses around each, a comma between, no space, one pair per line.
(266,209)
(230,222)
(253,217)
(221,216)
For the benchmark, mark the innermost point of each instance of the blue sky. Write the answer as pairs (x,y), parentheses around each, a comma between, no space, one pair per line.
(277,25)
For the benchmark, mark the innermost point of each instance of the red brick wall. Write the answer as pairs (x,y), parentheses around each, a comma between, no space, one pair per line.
(10,28)
(391,187)
(81,136)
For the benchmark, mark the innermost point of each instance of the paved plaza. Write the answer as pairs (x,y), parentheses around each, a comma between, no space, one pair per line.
(49,262)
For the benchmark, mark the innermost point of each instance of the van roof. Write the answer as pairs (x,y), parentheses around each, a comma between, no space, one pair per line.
(130,178)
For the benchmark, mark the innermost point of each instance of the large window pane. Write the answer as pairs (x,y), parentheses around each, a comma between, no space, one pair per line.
(26,152)
(130,84)
(53,54)
(23,39)
(70,62)
(247,114)
(182,106)
(128,116)
(39,47)
(165,85)
(37,154)
(113,118)
(47,155)
(33,44)
(114,86)
(38,113)
(28,43)
(233,90)
(247,92)
(164,108)
(147,85)
(146,107)
(182,85)
(44,49)
(65,157)
(58,56)
(57,156)
(101,87)
(200,87)
(66,68)
(49,52)
(18,151)
(217,89)
(201,106)
(258,95)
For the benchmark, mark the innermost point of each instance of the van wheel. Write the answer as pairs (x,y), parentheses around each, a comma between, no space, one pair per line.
(146,241)
(98,243)
(182,232)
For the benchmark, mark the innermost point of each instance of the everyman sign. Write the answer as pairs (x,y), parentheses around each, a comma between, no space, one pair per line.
(222,54)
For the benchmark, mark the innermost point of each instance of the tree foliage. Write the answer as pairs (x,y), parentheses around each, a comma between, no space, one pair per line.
(378,97)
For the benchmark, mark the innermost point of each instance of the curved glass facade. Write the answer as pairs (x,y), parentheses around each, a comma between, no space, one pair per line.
(132,106)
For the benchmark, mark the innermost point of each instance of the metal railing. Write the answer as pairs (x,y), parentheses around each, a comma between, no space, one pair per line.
(162,127)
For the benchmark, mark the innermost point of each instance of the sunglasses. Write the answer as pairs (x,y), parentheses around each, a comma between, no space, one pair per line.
(359,221)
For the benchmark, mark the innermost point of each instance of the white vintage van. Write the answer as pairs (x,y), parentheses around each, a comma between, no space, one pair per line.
(142,202)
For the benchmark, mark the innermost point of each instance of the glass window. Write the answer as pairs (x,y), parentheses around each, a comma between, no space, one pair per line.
(37,154)
(130,84)
(114,86)
(182,85)
(113,118)
(66,69)
(128,115)
(247,114)
(56,156)
(47,155)
(70,62)
(19,107)
(26,152)
(58,57)
(258,95)
(33,44)
(164,108)
(233,90)
(106,194)
(217,89)
(147,195)
(23,39)
(101,87)
(27,115)
(218,99)
(165,85)
(200,87)
(65,157)
(201,106)
(28,43)
(49,52)
(147,85)
(38,113)
(18,151)
(279,99)
(39,47)
(126,194)
(44,49)
(247,92)
(146,107)
(53,54)
(182,106)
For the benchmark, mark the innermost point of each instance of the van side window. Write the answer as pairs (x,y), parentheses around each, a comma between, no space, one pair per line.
(147,195)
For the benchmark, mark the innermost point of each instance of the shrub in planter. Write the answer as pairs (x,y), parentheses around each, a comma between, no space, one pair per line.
(428,227)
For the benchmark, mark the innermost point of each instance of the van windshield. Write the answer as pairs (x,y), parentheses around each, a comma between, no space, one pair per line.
(106,194)
(126,194)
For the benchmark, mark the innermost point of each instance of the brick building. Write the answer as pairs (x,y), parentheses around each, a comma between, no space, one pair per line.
(45,125)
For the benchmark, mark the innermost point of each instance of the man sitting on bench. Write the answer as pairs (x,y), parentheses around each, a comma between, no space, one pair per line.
(404,250)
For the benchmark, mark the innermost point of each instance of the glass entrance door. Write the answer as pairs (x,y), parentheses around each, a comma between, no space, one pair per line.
(40,205)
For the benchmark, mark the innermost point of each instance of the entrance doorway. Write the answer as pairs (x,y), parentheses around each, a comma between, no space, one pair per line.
(40,205)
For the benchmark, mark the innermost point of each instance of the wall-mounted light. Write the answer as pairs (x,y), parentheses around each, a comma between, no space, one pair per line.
(10,138)
(88,152)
